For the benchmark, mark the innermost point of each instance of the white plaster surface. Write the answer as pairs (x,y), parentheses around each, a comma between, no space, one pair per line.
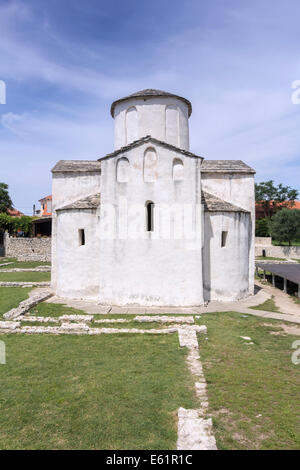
(66,189)
(226,269)
(165,118)
(151,268)
(239,190)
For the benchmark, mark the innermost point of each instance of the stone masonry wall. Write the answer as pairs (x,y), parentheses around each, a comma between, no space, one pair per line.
(27,249)
(263,241)
(278,251)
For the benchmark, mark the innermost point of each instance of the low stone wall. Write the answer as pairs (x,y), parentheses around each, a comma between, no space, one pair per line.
(266,241)
(277,251)
(27,249)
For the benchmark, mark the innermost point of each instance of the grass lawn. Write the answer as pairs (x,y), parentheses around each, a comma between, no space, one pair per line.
(25,277)
(104,392)
(10,297)
(270,258)
(269,305)
(45,309)
(253,390)
(293,243)
(22,264)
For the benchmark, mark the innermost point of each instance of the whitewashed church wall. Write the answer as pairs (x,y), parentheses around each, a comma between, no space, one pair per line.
(239,190)
(67,188)
(78,267)
(154,269)
(225,269)
(164,118)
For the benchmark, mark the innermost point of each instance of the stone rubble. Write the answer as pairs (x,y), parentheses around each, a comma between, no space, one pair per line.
(163,319)
(194,432)
(24,284)
(194,429)
(33,319)
(38,269)
(9,325)
(188,336)
(117,320)
(85,318)
(74,326)
(27,304)
(79,329)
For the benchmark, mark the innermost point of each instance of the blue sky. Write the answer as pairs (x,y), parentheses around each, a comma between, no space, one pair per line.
(64,62)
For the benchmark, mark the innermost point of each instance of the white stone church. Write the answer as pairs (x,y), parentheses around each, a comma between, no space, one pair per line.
(151,223)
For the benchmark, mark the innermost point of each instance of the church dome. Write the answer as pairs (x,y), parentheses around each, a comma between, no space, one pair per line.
(148,92)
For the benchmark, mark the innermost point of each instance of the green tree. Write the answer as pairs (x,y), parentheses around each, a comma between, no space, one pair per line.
(13,224)
(285,226)
(5,221)
(23,223)
(5,201)
(262,227)
(272,197)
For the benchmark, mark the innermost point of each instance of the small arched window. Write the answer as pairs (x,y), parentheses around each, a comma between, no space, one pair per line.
(123,168)
(178,169)
(131,125)
(172,125)
(150,165)
(150,216)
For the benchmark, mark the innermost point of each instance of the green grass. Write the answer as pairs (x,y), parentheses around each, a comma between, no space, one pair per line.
(245,381)
(270,258)
(22,264)
(54,310)
(36,323)
(10,297)
(25,277)
(7,260)
(104,392)
(269,305)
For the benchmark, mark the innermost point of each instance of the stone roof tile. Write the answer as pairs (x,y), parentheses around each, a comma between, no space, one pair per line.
(225,166)
(150,92)
(215,204)
(89,202)
(76,166)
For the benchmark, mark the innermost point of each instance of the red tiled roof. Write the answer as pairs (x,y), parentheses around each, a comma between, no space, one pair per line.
(14,213)
(49,198)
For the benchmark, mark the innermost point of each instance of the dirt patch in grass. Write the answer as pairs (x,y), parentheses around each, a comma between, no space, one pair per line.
(269,306)
(285,329)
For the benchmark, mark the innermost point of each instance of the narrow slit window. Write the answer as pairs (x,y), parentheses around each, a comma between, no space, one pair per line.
(150,216)
(81,235)
(224,239)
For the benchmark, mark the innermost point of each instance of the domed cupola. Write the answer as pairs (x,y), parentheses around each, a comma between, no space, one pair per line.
(158,113)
